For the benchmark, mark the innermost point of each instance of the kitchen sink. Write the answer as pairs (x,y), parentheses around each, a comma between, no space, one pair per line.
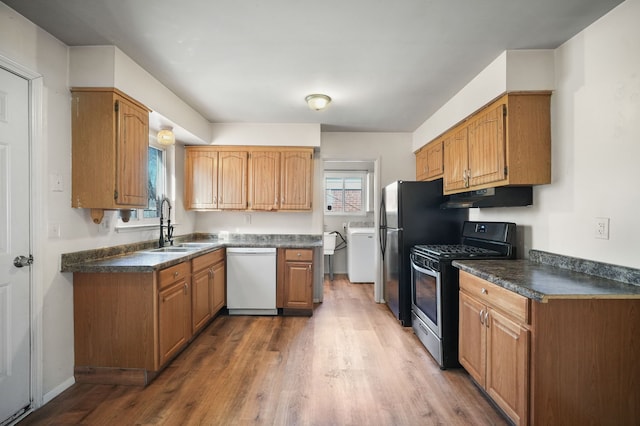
(171,250)
(196,245)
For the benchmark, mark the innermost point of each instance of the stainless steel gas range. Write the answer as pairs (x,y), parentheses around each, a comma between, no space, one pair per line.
(434,284)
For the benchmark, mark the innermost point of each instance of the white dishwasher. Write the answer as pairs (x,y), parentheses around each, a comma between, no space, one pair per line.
(251,281)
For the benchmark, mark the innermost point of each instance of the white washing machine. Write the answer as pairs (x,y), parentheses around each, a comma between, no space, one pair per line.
(361,254)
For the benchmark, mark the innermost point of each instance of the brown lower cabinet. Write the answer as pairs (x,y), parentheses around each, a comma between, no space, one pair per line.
(295,281)
(128,326)
(562,362)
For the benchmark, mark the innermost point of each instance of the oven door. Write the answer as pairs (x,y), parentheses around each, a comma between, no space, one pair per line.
(425,295)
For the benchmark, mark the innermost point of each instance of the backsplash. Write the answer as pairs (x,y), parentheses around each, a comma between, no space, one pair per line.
(604,270)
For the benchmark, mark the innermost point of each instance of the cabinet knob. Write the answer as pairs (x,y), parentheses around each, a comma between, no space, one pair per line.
(299,254)
(483,290)
(175,274)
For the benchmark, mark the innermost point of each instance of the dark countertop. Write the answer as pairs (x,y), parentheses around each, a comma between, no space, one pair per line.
(542,282)
(138,258)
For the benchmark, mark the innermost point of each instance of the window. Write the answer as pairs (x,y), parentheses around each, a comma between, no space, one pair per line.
(345,193)
(157,169)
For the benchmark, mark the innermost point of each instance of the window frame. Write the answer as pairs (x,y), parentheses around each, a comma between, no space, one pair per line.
(345,174)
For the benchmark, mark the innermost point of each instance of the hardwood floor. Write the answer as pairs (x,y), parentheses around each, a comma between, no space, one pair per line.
(348,364)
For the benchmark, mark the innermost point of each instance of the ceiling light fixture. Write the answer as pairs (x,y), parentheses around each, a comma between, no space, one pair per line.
(317,101)
(166,137)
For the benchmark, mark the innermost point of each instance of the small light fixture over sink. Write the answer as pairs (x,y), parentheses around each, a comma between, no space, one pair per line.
(166,137)
(317,101)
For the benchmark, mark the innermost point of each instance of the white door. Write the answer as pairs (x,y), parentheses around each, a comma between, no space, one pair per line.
(15,337)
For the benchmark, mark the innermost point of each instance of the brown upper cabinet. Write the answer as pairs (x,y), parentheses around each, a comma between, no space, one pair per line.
(280,179)
(429,161)
(215,179)
(295,180)
(508,142)
(110,140)
(274,178)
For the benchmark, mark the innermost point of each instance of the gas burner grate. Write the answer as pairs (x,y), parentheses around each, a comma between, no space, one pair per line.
(455,250)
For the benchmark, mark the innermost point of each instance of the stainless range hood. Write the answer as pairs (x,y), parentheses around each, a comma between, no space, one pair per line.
(503,196)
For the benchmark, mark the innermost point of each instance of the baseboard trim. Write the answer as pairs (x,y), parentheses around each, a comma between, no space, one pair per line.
(58,390)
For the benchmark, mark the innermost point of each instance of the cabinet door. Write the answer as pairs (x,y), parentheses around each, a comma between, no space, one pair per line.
(174,319)
(507,380)
(132,124)
(201,182)
(472,337)
(487,159)
(298,285)
(264,180)
(456,160)
(232,180)
(200,298)
(422,164)
(435,160)
(218,292)
(296,176)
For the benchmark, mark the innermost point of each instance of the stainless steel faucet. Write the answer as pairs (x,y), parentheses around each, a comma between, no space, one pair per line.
(169,236)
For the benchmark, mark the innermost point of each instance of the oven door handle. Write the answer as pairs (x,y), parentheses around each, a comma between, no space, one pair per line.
(430,272)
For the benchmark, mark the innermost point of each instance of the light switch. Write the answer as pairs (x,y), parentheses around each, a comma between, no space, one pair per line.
(54,230)
(55,182)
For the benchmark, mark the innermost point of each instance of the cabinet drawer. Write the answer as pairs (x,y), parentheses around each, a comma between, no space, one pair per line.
(298,254)
(207,260)
(508,302)
(173,274)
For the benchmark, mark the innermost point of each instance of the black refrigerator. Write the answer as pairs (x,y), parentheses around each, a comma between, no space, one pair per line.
(410,214)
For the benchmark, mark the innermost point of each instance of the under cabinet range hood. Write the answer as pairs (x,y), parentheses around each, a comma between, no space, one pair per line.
(504,196)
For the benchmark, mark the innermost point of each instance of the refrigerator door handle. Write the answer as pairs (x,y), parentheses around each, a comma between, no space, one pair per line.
(383,227)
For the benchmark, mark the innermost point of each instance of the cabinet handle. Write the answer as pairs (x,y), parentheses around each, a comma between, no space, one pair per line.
(486,319)
(482,316)
(186,288)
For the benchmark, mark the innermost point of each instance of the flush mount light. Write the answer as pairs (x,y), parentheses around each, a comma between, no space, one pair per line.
(317,101)
(166,137)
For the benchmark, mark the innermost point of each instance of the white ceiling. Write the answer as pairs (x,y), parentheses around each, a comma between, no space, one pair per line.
(388,65)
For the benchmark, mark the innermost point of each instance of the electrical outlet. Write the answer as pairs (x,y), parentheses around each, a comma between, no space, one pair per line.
(602,228)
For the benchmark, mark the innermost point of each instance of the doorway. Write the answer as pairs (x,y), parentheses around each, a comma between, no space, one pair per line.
(364,175)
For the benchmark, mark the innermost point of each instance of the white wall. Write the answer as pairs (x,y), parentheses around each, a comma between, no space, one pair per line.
(595,147)
(510,71)
(266,134)
(108,66)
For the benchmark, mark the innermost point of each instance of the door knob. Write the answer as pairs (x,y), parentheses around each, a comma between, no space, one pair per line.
(21,261)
